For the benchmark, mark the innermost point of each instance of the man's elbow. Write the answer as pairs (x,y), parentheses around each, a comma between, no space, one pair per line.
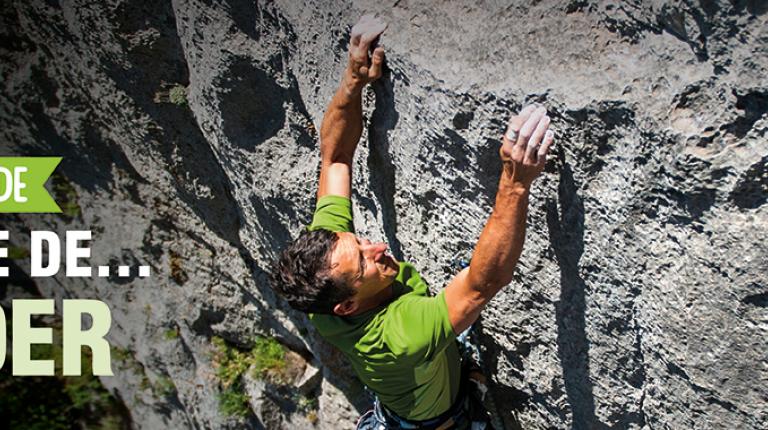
(488,286)
(332,155)
(336,159)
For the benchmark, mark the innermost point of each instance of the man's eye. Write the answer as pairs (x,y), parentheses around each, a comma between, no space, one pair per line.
(362,258)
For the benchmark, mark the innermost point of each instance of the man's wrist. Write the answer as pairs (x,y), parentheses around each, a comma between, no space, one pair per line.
(509,185)
(513,176)
(351,86)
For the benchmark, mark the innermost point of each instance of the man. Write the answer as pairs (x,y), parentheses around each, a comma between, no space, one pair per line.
(376,310)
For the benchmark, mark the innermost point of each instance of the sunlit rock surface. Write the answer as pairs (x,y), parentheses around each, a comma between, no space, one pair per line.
(641,297)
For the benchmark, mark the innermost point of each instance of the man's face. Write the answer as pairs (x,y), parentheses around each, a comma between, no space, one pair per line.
(364,265)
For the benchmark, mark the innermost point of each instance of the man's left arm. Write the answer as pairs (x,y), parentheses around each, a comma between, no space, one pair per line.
(343,121)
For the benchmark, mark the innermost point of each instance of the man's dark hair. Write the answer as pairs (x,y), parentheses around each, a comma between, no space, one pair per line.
(302,274)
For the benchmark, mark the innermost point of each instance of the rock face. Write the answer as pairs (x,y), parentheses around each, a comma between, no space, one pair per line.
(188,131)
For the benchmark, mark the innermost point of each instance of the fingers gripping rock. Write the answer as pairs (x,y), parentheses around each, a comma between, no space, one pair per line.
(526,144)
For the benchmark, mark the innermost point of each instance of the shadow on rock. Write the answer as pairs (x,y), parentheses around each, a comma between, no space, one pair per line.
(155,65)
(380,166)
(566,232)
(252,105)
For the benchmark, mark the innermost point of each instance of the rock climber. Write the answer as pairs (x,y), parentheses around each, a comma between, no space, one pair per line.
(401,342)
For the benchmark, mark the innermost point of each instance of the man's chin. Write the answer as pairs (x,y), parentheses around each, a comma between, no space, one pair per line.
(392,265)
(389,266)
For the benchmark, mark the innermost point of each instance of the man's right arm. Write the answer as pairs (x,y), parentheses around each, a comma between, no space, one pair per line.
(501,242)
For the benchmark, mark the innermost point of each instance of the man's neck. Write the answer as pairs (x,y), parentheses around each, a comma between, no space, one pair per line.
(377,300)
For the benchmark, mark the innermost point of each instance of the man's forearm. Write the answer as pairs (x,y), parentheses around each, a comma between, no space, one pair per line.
(343,122)
(523,154)
(501,242)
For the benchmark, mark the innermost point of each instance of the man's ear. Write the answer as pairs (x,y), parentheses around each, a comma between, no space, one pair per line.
(345,308)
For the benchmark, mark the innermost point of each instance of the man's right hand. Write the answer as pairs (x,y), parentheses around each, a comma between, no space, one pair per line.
(526,144)
(364,68)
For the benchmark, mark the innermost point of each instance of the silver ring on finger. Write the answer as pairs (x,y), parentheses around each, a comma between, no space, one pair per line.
(512,135)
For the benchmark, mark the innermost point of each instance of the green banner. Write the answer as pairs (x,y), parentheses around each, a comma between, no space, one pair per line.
(22,181)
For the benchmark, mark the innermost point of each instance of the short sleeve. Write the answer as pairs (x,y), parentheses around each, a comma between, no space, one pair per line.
(333,213)
(417,328)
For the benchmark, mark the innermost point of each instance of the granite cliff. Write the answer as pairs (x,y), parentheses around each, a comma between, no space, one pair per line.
(188,131)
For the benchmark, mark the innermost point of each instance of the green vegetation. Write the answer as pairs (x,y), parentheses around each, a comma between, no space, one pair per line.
(17,253)
(229,362)
(164,387)
(171,334)
(178,95)
(268,360)
(85,392)
(145,384)
(234,403)
(65,196)
(58,402)
(121,354)
(125,359)
(308,406)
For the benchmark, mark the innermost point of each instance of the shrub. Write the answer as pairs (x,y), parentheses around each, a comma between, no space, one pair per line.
(234,402)
(171,334)
(267,358)
(164,387)
(65,195)
(17,253)
(178,95)
(230,363)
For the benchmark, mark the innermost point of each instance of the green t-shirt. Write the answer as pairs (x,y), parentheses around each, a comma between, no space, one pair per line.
(403,350)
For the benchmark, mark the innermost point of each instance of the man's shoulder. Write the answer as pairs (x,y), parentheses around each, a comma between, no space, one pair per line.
(411,281)
(333,213)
